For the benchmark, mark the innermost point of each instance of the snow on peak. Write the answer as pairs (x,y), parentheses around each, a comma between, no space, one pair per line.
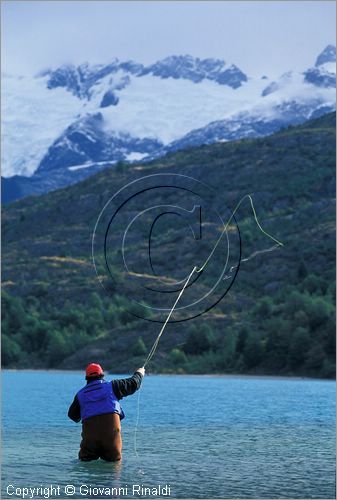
(79,80)
(323,74)
(76,115)
(328,55)
(196,70)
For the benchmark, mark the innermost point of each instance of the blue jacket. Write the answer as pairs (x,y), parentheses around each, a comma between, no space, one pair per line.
(120,389)
(97,398)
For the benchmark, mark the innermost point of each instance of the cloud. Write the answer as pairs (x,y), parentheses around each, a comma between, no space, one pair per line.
(258,36)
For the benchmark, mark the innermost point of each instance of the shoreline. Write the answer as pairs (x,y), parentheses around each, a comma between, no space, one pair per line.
(217,375)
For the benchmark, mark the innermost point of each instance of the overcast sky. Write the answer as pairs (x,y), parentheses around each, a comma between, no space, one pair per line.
(261,37)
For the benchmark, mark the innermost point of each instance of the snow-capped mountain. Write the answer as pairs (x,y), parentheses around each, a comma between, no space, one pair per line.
(73,121)
(324,72)
(87,141)
(287,101)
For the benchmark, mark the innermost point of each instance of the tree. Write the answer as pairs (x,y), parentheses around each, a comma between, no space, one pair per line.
(57,348)
(227,350)
(264,308)
(13,314)
(314,283)
(139,349)
(328,369)
(302,270)
(278,335)
(301,319)
(315,358)
(96,301)
(241,341)
(198,340)
(177,357)
(298,348)
(253,350)
(10,351)
(319,312)
(296,301)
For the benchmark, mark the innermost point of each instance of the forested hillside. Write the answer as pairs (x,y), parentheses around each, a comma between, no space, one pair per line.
(278,317)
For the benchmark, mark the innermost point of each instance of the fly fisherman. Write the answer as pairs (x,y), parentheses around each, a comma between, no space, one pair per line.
(97,405)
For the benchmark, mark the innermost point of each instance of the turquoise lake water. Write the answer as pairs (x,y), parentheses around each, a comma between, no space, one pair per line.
(205,436)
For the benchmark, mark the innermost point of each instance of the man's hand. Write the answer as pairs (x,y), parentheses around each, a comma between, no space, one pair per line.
(141,370)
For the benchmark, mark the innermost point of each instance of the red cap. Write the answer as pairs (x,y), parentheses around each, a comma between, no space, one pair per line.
(93,370)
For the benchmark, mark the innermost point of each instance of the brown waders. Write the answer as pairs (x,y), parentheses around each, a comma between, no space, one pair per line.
(101,438)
